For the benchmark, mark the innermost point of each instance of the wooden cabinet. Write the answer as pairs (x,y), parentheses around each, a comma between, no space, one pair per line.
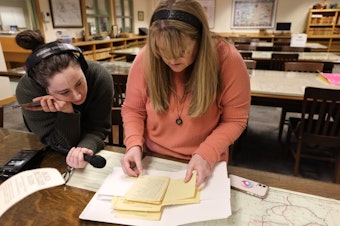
(101,49)
(323,25)
(92,50)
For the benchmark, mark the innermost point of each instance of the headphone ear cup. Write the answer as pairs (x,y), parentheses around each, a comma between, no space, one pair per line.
(83,64)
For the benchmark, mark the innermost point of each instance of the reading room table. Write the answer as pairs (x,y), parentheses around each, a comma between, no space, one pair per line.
(63,204)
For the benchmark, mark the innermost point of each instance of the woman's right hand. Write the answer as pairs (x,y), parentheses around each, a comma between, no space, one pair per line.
(132,162)
(50,104)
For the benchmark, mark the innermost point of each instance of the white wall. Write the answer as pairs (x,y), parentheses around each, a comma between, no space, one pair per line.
(50,32)
(295,11)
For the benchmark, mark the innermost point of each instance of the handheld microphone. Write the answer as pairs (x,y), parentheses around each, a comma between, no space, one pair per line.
(96,161)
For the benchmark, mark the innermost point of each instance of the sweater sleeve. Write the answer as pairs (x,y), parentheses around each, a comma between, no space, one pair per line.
(234,102)
(133,109)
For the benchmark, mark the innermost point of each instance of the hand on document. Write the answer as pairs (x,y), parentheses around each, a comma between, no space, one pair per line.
(132,162)
(201,167)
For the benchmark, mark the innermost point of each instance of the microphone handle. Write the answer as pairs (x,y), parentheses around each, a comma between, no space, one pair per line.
(87,158)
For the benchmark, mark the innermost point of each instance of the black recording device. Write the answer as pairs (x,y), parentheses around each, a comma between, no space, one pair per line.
(55,48)
(23,160)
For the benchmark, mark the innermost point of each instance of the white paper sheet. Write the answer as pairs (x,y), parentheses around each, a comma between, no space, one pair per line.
(215,200)
(25,183)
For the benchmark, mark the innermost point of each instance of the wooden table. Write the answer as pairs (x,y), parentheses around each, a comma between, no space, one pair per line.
(132,51)
(313,46)
(263,58)
(280,88)
(62,205)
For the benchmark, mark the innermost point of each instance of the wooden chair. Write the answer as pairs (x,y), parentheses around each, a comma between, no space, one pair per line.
(251,64)
(246,55)
(278,60)
(119,82)
(247,47)
(281,42)
(303,66)
(317,131)
(293,49)
(242,40)
(264,48)
(300,67)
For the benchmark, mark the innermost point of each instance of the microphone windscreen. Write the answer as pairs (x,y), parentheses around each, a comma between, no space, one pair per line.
(96,161)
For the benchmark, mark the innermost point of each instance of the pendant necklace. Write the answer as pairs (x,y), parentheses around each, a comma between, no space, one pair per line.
(180,106)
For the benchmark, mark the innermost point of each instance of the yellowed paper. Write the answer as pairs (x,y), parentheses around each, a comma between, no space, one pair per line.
(153,216)
(181,193)
(147,188)
(120,203)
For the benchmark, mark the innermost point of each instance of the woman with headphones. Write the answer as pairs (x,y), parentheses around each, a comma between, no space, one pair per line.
(74,97)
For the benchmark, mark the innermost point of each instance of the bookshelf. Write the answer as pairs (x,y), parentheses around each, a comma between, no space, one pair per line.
(323,26)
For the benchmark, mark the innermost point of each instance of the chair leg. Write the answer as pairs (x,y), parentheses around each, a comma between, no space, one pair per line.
(297,157)
(287,143)
(282,123)
(337,169)
(1,116)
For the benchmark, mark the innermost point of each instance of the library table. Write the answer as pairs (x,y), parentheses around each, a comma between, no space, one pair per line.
(314,46)
(282,88)
(62,205)
(328,58)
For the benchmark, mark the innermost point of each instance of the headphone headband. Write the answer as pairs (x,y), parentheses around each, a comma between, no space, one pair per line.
(54,48)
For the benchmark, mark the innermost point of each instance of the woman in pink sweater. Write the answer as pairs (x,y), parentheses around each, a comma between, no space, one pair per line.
(188,92)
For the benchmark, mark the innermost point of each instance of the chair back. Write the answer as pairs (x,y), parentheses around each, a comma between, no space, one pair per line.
(278,60)
(293,49)
(320,117)
(245,47)
(246,55)
(251,64)
(119,82)
(303,66)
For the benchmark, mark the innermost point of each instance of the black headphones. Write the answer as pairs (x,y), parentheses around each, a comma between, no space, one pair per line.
(51,49)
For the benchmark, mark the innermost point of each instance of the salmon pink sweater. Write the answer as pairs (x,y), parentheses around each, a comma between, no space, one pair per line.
(209,135)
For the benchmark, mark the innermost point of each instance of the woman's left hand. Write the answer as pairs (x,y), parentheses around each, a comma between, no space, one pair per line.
(75,157)
(202,168)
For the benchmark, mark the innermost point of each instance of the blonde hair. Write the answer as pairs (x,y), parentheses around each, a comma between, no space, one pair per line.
(202,83)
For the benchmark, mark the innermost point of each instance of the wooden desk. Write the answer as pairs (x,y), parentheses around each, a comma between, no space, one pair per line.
(14,72)
(312,46)
(62,205)
(303,56)
(126,52)
(282,88)
(328,58)
(117,67)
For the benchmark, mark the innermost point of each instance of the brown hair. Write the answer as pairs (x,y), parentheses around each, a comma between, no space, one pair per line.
(203,82)
(47,67)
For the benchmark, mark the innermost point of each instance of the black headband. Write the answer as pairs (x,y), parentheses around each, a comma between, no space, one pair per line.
(177,15)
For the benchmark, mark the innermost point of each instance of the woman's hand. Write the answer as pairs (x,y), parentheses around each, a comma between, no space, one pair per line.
(202,168)
(132,162)
(50,104)
(75,157)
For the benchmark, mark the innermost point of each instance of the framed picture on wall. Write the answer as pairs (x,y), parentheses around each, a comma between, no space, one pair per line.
(209,7)
(66,13)
(253,14)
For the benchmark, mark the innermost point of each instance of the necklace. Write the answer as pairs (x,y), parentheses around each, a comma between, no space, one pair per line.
(180,106)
